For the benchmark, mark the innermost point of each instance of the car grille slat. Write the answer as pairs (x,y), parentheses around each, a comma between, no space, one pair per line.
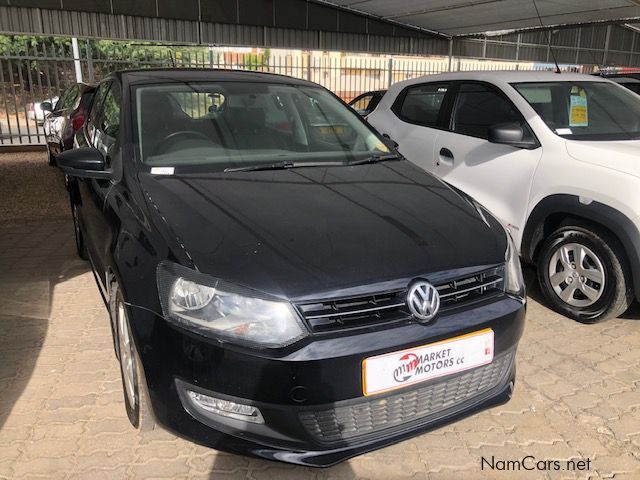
(372,416)
(355,312)
(387,308)
(461,292)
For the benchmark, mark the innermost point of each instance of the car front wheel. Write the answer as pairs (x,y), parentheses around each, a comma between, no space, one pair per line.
(135,396)
(583,273)
(52,158)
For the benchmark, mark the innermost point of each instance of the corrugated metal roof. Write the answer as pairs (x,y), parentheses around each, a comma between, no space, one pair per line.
(596,43)
(462,17)
(37,21)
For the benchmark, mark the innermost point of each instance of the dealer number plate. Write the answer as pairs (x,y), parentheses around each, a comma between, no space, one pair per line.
(394,370)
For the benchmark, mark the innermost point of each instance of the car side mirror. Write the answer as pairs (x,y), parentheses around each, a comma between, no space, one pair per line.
(46,107)
(511,134)
(390,142)
(85,162)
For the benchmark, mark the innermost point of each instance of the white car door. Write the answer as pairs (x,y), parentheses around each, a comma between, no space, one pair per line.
(413,121)
(498,176)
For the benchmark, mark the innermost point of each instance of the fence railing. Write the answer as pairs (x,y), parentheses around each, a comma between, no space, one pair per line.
(41,71)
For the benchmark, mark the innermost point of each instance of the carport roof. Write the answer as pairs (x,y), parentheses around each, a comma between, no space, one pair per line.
(463,17)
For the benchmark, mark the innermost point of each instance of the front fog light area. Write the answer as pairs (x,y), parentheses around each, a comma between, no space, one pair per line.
(226,408)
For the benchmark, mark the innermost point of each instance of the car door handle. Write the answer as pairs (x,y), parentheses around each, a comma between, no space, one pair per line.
(446,153)
(446,156)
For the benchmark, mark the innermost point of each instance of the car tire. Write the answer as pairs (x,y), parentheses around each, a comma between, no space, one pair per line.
(81,247)
(133,385)
(584,274)
(52,158)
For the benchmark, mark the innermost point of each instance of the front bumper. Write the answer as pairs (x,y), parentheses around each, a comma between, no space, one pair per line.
(311,395)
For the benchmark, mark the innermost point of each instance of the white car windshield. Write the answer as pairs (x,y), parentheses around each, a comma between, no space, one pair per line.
(230,125)
(585,110)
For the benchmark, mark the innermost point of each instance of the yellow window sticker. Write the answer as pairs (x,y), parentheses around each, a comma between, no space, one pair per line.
(578,110)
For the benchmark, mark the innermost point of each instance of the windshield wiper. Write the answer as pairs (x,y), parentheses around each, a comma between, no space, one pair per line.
(376,159)
(265,166)
(283,165)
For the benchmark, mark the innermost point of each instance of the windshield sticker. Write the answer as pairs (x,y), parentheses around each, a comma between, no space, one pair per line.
(162,170)
(563,131)
(578,112)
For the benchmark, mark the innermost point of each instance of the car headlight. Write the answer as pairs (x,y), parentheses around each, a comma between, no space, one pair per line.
(513,280)
(224,311)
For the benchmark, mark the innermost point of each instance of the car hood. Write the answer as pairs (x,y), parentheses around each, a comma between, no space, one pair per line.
(314,231)
(623,156)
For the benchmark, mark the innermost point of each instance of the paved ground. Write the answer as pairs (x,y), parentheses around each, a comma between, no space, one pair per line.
(30,190)
(61,406)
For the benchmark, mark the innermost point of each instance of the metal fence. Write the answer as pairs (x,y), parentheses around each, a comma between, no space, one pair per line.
(35,71)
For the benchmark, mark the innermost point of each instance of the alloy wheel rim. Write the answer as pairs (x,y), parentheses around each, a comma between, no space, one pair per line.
(126,355)
(576,275)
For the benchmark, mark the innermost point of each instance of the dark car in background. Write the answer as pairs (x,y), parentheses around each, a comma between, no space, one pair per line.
(630,80)
(281,283)
(367,102)
(631,83)
(66,117)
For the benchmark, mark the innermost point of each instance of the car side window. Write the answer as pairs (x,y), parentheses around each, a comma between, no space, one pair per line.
(479,107)
(421,104)
(69,97)
(59,104)
(375,100)
(108,123)
(362,103)
(96,107)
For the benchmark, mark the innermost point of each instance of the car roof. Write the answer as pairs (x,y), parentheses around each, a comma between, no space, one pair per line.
(162,75)
(497,77)
(508,76)
(371,92)
(87,87)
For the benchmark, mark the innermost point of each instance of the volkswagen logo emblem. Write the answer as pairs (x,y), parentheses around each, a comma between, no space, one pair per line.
(423,300)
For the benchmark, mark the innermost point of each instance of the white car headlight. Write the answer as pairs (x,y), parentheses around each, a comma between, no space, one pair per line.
(218,309)
(513,279)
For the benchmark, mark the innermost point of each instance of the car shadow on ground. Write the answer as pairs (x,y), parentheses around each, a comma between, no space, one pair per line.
(34,258)
(225,462)
(37,252)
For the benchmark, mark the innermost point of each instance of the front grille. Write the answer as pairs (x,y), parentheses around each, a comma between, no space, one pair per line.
(355,312)
(371,417)
(467,290)
(390,307)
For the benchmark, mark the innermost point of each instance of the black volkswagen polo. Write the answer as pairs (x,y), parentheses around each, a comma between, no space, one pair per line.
(281,282)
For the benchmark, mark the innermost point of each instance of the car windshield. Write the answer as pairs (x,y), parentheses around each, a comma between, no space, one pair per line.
(232,125)
(585,110)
